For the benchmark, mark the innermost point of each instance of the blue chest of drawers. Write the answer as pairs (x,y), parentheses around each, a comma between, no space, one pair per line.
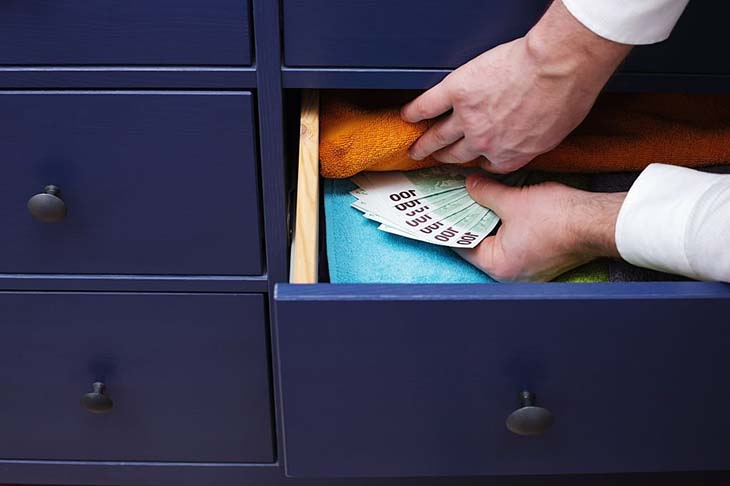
(149,335)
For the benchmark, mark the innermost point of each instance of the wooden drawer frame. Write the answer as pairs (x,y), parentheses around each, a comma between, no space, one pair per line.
(305,240)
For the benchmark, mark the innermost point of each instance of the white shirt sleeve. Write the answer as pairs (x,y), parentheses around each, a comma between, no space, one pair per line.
(628,21)
(677,220)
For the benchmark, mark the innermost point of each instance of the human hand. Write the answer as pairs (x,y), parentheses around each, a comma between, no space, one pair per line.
(547,229)
(518,100)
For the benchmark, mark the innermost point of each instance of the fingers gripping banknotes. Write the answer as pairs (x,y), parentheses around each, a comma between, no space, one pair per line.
(430,205)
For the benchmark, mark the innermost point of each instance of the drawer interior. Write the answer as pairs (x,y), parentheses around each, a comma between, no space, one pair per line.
(308,253)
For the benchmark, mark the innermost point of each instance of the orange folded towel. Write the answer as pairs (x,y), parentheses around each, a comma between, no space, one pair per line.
(624,132)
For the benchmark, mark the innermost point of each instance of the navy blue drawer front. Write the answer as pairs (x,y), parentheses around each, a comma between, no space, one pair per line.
(154,182)
(406,33)
(109,32)
(187,375)
(434,34)
(418,380)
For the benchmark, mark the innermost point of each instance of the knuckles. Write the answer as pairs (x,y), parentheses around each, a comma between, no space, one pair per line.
(482,146)
(414,111)
(495,167)
(445,157)
(438,136)
(461,95)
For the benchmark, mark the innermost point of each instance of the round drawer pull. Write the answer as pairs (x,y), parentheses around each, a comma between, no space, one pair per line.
(529,419)
(48,205)
(97,401)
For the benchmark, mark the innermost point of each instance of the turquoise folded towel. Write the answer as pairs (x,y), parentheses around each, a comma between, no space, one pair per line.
(358,252)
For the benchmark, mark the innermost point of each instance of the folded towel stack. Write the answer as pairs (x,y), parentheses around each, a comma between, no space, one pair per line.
(624,132)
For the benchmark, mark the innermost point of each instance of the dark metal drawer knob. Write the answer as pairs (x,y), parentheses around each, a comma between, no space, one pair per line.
(529,419)
(48,205)
(97,401)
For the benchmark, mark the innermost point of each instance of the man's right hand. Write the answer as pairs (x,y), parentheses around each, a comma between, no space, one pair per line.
(519,99)
(547,229)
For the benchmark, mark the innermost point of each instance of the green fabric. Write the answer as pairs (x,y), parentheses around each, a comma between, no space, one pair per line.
(596,271)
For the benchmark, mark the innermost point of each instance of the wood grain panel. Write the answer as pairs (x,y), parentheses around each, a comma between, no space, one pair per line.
(305,245)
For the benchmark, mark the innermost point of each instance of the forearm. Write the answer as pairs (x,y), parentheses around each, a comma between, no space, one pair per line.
(563,47)
(594,217)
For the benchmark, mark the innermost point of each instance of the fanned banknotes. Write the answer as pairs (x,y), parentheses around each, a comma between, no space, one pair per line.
(430,205)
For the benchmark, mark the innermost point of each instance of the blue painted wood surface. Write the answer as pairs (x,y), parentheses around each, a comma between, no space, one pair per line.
(192,45)
(109,32)
(190,474)
(126,283)
(148,77)
(155,182)
(431,34)
(274,168)
(505,291)
(187,374)
(418,380)
(402,34)
(408,78)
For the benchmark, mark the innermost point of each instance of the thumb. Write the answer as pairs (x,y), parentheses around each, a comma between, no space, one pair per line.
(483,256)
(490,193)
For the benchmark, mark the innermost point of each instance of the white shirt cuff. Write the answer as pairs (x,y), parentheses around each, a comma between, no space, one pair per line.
(677,220)
(628,21)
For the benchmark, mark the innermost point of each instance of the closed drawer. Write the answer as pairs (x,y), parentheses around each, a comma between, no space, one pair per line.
(153,182)
(408,380)
(418,380)
(428,34)
(187,375)
(108,32)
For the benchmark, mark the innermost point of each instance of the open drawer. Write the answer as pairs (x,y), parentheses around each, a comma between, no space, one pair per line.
(418,380)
